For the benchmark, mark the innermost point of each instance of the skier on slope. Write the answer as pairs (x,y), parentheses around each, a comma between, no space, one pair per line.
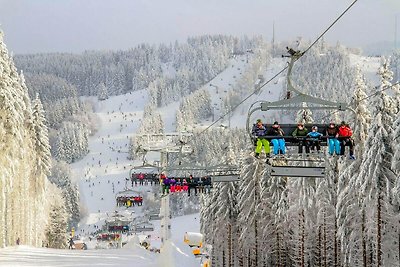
(71,243)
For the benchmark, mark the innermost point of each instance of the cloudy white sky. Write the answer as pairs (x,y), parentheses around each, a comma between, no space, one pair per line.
(78,25)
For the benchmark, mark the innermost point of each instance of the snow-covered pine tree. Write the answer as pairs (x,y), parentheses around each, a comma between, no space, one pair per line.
(304,115)
(102,92)
(351,218)
(274,221)
(152,122)
(208,225)
(303,219)
(362,114)
(57,223)
(327,248)
(61,177)
(225,215)
(17,158)
(249,198)
(376,178)
(43,165)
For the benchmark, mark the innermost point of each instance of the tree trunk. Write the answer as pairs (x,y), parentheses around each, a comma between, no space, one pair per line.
(319,247)
(229,245)
(364,241)
(302,238)
(249,258)
(223,258)
(325,245)
(240,257)
(278,250)
(336,246)
(213,258)
(256,244)
(379,235)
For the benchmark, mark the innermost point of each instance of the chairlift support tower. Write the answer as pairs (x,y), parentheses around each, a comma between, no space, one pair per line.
(163,143)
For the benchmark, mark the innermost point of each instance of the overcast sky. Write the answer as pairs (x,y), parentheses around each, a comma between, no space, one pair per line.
(77,25)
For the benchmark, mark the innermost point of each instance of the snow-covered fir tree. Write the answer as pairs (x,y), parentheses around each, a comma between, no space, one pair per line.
(23,171)
(56,231)
(61,177)
(376,179)
(304,115)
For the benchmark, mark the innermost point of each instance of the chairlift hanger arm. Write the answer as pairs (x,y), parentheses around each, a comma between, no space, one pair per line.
(299,100)
(294,56)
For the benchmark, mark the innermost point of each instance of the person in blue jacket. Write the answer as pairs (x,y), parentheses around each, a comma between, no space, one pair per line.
(315,138)
(259,131)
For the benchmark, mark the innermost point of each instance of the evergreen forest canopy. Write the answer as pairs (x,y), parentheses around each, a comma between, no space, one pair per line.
(348,219)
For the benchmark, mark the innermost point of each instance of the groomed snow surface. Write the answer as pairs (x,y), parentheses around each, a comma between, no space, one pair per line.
(130,255)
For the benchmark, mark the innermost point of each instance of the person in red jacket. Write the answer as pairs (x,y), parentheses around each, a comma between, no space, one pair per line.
(345,133)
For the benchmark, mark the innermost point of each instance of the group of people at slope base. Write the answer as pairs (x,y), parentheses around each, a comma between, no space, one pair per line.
(338,137)
(174,184)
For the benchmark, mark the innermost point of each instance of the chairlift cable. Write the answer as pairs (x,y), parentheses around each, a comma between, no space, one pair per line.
(377,92)
(241,102)
(277,74)
(365,98)
(330,26)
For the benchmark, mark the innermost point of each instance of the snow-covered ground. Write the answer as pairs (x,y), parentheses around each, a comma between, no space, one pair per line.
(131,255)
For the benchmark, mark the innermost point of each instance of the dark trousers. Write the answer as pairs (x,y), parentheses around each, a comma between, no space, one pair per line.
(190,188)
(315,144)
(304,143)
(347,142)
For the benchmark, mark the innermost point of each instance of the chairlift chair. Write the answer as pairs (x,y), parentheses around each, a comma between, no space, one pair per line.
(283,167)
(224,173)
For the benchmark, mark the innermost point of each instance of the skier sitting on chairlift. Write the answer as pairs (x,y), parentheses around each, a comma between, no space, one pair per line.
(345,133)
(333,142)
(315,139)
(259,131)
(279,141)
(300,133)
